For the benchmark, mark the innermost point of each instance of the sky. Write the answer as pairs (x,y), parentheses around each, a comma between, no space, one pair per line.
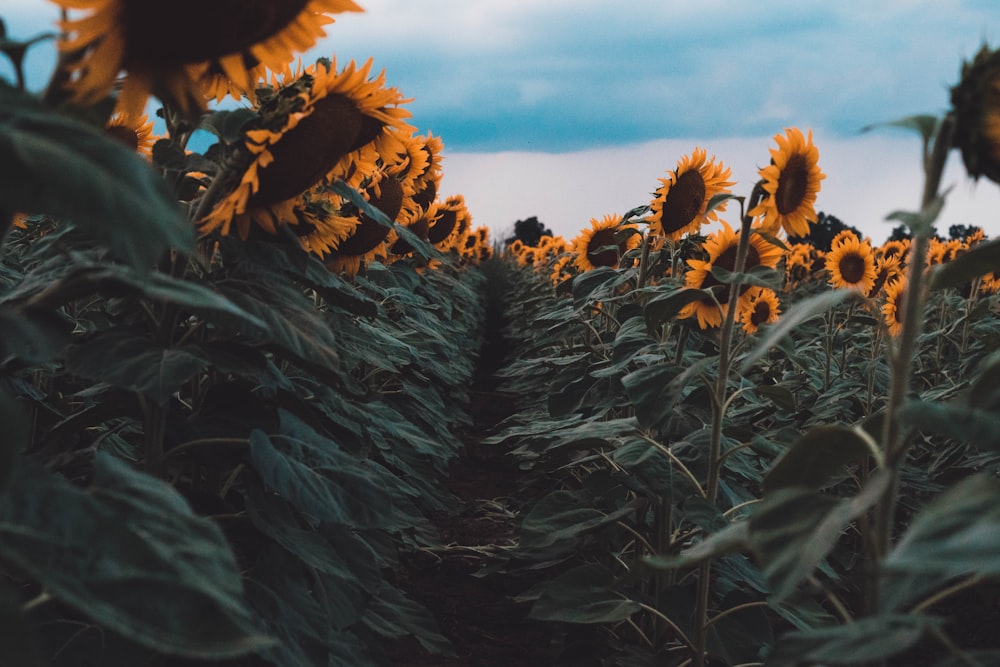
(573,109)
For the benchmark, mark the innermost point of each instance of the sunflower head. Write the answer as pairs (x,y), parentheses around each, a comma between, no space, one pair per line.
(679,204)
(761,307)
(852,265)
(791,183)
(605,243)
(892,311)
(976,102)
(135,133)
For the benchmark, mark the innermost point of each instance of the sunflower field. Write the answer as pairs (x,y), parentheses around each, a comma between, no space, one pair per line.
(235,384)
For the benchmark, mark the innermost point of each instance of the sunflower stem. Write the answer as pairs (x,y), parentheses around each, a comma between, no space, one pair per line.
(719,405)
(892,436)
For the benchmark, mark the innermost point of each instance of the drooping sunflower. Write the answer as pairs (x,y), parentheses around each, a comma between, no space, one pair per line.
(791,182)
(762,307)
(852,265)
(341,114)
(368,240)
(976,101)
(452,224)
(722,247)
(169,51)
(679,204)
(599,245)
(134,133)
(892,310)
(321,226)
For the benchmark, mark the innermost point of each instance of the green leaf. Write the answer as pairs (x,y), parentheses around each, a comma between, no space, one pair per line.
(59,166)
(564,515)
(816,458)
(779,395)
(228,125)
(128,541)
(956,534)
(656,390)
(732,539)
(32,334)
(589,282)
(759,276)
(923,124)
(978,261)
(719,199)
(790,320)
(124,359)
(793,529)
(392,614)
(582,595)
(966,423)
(860,642)
(664,307)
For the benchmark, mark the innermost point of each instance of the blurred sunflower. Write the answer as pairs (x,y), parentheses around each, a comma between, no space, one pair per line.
(895,249)
(721,247)
(452,224)
(792,183)
(341,114)
(976,101)
(799,261)
(887,269)
(598,246)
(136,133)
(169,51)
(679,204)
(852,265)
(762,307)
(562,269)
(843,235)
(892,311)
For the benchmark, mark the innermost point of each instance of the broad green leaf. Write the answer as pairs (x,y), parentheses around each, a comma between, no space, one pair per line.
(922,221)
(589,282)
(923,124)
(732,539)
(128,540)
(656,390)
(582,595)
(32,334)
(793,529)
(978,427)
(718,200)
(791,319)
(956,534)
(978,261)
(985,390)
(320,479)
(56,165)
(564,515)
(228,125)
(816,458)
(759,276)
(664,307)
(124,359)
(863,641)
(391,613)
(779,395)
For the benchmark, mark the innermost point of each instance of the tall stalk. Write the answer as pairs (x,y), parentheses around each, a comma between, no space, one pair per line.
(719,404)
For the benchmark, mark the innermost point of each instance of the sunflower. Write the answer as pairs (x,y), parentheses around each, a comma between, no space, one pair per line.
(169,51)
(762,307)
(892,311)
(598,246)
(367,241)
(679,204)
(136,133)
(452,225)
(898,248)
(843,235)
(340,115)
(799,261)
(976,100)
(562,269)
(791,182)
(418,222)
(852,264)
(321,227)
(887,269)
(721,247)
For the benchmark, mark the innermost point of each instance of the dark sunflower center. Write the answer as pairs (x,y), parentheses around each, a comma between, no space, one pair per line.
(443,227)
(600,239)
(191,31)
(305,153)
(727,260)
(852,268)
(369,233)
(684,201)
(426,195)
(792,185)
(761,313)
(420,228)
(124,135)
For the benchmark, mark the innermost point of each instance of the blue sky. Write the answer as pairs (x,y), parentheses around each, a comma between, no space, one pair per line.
(571,109)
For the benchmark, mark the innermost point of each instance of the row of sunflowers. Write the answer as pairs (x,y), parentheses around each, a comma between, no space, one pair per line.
(740,449)
(231,378)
